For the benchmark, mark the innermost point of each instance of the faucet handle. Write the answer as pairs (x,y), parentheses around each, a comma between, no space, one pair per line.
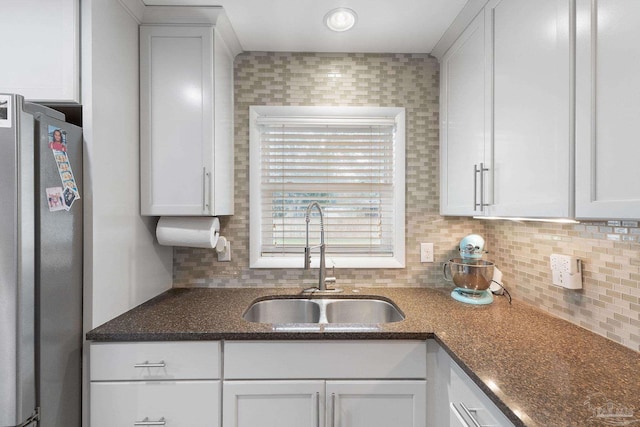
(307,258)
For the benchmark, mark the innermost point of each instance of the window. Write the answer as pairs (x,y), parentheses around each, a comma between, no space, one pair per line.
(350,160)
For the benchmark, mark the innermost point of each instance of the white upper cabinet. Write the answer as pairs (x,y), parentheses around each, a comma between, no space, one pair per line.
(464,139)
(507,144)
(39,41)
(531,107)
(186,121)
(607,109)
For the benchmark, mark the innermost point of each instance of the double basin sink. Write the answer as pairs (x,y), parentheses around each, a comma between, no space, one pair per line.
(282,310)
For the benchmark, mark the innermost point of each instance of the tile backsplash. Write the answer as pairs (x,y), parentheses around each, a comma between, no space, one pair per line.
(609,303)
(316,79)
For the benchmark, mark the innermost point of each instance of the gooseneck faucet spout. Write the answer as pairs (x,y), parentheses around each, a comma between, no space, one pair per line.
(322,276)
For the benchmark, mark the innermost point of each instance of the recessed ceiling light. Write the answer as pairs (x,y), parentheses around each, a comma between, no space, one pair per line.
(340,19)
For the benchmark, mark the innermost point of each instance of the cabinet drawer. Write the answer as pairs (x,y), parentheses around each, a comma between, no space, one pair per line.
(467,401)
(154,361)
(178,403)
(325,359)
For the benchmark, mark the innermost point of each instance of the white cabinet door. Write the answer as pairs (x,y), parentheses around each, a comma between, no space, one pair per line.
(376,403)
(178,404)
(532,168)
(463,131)
(39,42)
(186,126)
(607,109)
(273,404)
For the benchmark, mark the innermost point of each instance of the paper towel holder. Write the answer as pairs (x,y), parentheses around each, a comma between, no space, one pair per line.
(223,248)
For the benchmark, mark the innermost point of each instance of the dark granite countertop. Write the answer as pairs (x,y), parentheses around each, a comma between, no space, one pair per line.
(540,370)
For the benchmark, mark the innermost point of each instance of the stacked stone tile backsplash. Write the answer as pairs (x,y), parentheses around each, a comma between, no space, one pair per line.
(609,304)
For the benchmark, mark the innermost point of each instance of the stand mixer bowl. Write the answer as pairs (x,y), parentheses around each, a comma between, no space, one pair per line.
(472,274)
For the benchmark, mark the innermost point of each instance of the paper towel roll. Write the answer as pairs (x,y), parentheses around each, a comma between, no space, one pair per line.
(194,232)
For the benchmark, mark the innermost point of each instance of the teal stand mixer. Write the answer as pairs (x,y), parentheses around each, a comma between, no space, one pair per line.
(471,275)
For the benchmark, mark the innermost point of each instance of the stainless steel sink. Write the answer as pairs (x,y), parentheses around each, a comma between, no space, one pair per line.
(283,311)
(362,311)
(323,310)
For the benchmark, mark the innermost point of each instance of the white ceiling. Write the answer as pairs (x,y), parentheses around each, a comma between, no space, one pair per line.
(384,26)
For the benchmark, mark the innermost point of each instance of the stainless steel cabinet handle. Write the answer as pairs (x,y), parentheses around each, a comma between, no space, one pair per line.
(146,422)
(333,410)
(458,414)
(317,409)
(471,417)
(475,186)
(482,171)
(146,364)
(205,203)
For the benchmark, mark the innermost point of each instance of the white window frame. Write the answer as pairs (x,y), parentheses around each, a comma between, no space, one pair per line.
(255,206)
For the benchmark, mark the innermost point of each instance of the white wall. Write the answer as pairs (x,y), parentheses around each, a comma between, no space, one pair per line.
(123,265)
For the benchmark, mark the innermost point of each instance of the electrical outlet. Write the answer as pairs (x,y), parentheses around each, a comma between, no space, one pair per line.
(566,271)
(426,252)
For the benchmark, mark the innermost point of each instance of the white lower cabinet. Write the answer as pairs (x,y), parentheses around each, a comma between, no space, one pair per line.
(454,399)
(273,403)
(376,403)
(325,383)
(173,384)
(281,403)
(468,405)
(320,383)
(155,403)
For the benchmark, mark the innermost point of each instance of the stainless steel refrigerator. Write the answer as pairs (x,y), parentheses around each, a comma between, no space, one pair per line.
(40,266)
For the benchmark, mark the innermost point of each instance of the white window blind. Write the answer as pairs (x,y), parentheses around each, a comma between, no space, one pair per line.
(348,164)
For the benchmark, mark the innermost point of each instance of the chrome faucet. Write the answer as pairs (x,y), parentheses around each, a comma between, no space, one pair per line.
(322,275)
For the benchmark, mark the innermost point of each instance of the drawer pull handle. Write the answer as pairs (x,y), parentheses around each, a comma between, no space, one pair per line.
(333,410)
(468,411)
(146,364)
(146,422)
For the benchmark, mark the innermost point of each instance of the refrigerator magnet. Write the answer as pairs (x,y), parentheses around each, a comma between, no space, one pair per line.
(69,197)
(5,111)
(57,139)
(58,145)
(55,201)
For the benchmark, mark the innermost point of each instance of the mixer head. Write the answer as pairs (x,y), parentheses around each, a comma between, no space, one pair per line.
(472,246)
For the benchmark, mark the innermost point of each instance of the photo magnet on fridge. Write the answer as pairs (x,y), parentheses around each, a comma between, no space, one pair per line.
(55,199)
(58,144)
(5,111)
